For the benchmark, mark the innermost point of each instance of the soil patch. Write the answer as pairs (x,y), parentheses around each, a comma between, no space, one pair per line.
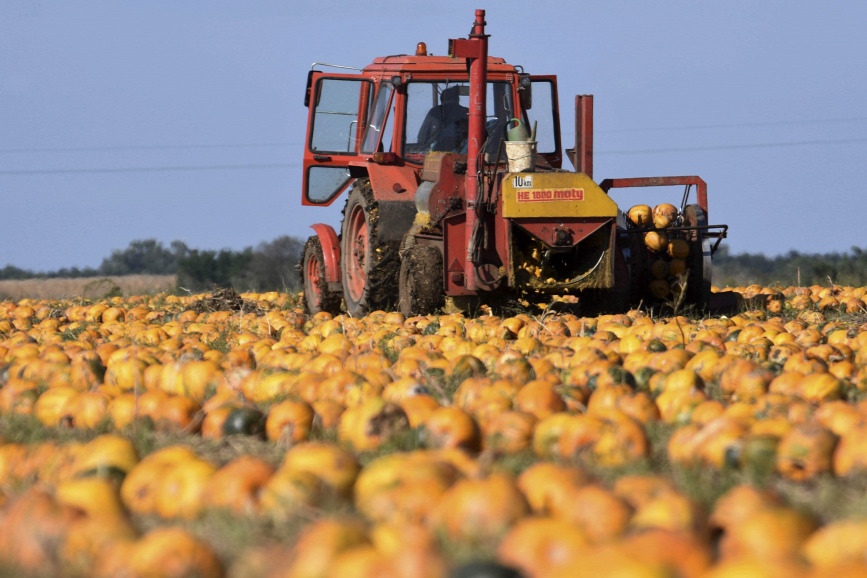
(225,300)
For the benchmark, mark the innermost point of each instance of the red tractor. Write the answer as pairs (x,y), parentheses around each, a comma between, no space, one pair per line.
(456,190)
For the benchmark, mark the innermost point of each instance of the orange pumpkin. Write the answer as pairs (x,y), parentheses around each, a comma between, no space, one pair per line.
(738,503)
(475,511)
(680,553)
(771,535)
(659,288)
(181,492)
(677,266)
(673,512)
(143,483)
(56,406)
(678,249)
(335,466)
(288,492)
(666,209)
(366,426)
(236,485)
(639,489)
(88,544)
(542,546)
(108,455)
(806,451)
(820,387)
(18,396)
(849,456)
(659,269)
(509,432)
(545,485)
(640,215)
(539,398)
(404,487)
(661,221)
(321,542)
(33,524)
(289,420)
(175,552)
(656,241)
(836,544)
(150,403)
(451,427)
(601,515)
(96,497)
(418,408)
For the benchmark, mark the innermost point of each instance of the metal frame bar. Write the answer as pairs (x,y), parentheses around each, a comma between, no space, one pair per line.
(701,186)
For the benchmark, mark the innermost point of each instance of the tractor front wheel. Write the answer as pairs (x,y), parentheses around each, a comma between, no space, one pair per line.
(421,280)
(317,296)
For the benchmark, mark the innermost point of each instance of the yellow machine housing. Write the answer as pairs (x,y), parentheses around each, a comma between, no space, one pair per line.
(562,237)
(563,195)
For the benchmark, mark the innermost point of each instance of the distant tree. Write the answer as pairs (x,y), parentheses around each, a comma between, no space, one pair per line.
(273,265)
(142,257)
(793,268)
(179,249)
(13,272)
(200,270)
(74,273)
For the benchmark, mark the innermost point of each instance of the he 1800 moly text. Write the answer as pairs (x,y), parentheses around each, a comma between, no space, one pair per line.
(550,195)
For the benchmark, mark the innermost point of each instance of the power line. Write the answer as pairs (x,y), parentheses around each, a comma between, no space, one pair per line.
(293,165)
(733,147)
(150,169)
(740,124)
(287,144)
(146,147)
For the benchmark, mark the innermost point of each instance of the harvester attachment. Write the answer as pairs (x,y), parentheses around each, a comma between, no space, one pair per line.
(669,250)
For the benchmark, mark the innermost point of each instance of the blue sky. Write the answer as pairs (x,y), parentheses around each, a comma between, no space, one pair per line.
(184,120)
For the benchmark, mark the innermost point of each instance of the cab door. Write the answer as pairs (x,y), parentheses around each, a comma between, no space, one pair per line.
(337,112)
(543,113)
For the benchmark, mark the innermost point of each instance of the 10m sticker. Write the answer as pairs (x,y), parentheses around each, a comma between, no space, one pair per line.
(549,195)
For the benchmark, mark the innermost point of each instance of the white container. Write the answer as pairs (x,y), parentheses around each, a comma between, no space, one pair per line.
(521,155)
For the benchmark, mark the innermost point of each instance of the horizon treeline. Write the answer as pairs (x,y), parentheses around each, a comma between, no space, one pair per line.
(271,266)
(792,269)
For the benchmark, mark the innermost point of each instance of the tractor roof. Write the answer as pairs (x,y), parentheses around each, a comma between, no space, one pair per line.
(403,63)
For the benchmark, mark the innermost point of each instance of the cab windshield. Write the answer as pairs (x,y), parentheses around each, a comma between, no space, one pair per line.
(437,117)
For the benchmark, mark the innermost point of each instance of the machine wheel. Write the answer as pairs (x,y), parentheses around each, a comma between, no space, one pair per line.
(421,281)
(700,265)
(317,296)
(369,267)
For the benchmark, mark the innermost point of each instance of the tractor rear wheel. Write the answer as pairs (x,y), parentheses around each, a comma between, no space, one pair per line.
(369,266)
(421,280)
(317,296)
(699,262)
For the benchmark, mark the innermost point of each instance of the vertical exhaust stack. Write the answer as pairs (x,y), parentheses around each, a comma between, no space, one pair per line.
(475,50)
(583,152)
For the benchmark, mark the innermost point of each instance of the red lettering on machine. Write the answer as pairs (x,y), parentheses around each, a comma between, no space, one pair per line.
(531,196)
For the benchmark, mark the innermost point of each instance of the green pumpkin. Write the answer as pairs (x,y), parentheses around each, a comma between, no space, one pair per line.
(245,421)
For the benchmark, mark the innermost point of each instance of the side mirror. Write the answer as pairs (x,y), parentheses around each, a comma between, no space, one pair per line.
(525,91)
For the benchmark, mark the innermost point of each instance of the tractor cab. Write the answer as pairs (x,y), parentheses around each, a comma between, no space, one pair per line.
(400,108)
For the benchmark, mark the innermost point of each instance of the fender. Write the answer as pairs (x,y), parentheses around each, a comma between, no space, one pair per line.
(330,251)
(393,182)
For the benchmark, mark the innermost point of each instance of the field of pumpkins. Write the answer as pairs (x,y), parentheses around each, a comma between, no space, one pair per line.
(235,435)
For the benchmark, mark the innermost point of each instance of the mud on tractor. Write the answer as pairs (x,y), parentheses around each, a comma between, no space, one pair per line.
(453,166)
